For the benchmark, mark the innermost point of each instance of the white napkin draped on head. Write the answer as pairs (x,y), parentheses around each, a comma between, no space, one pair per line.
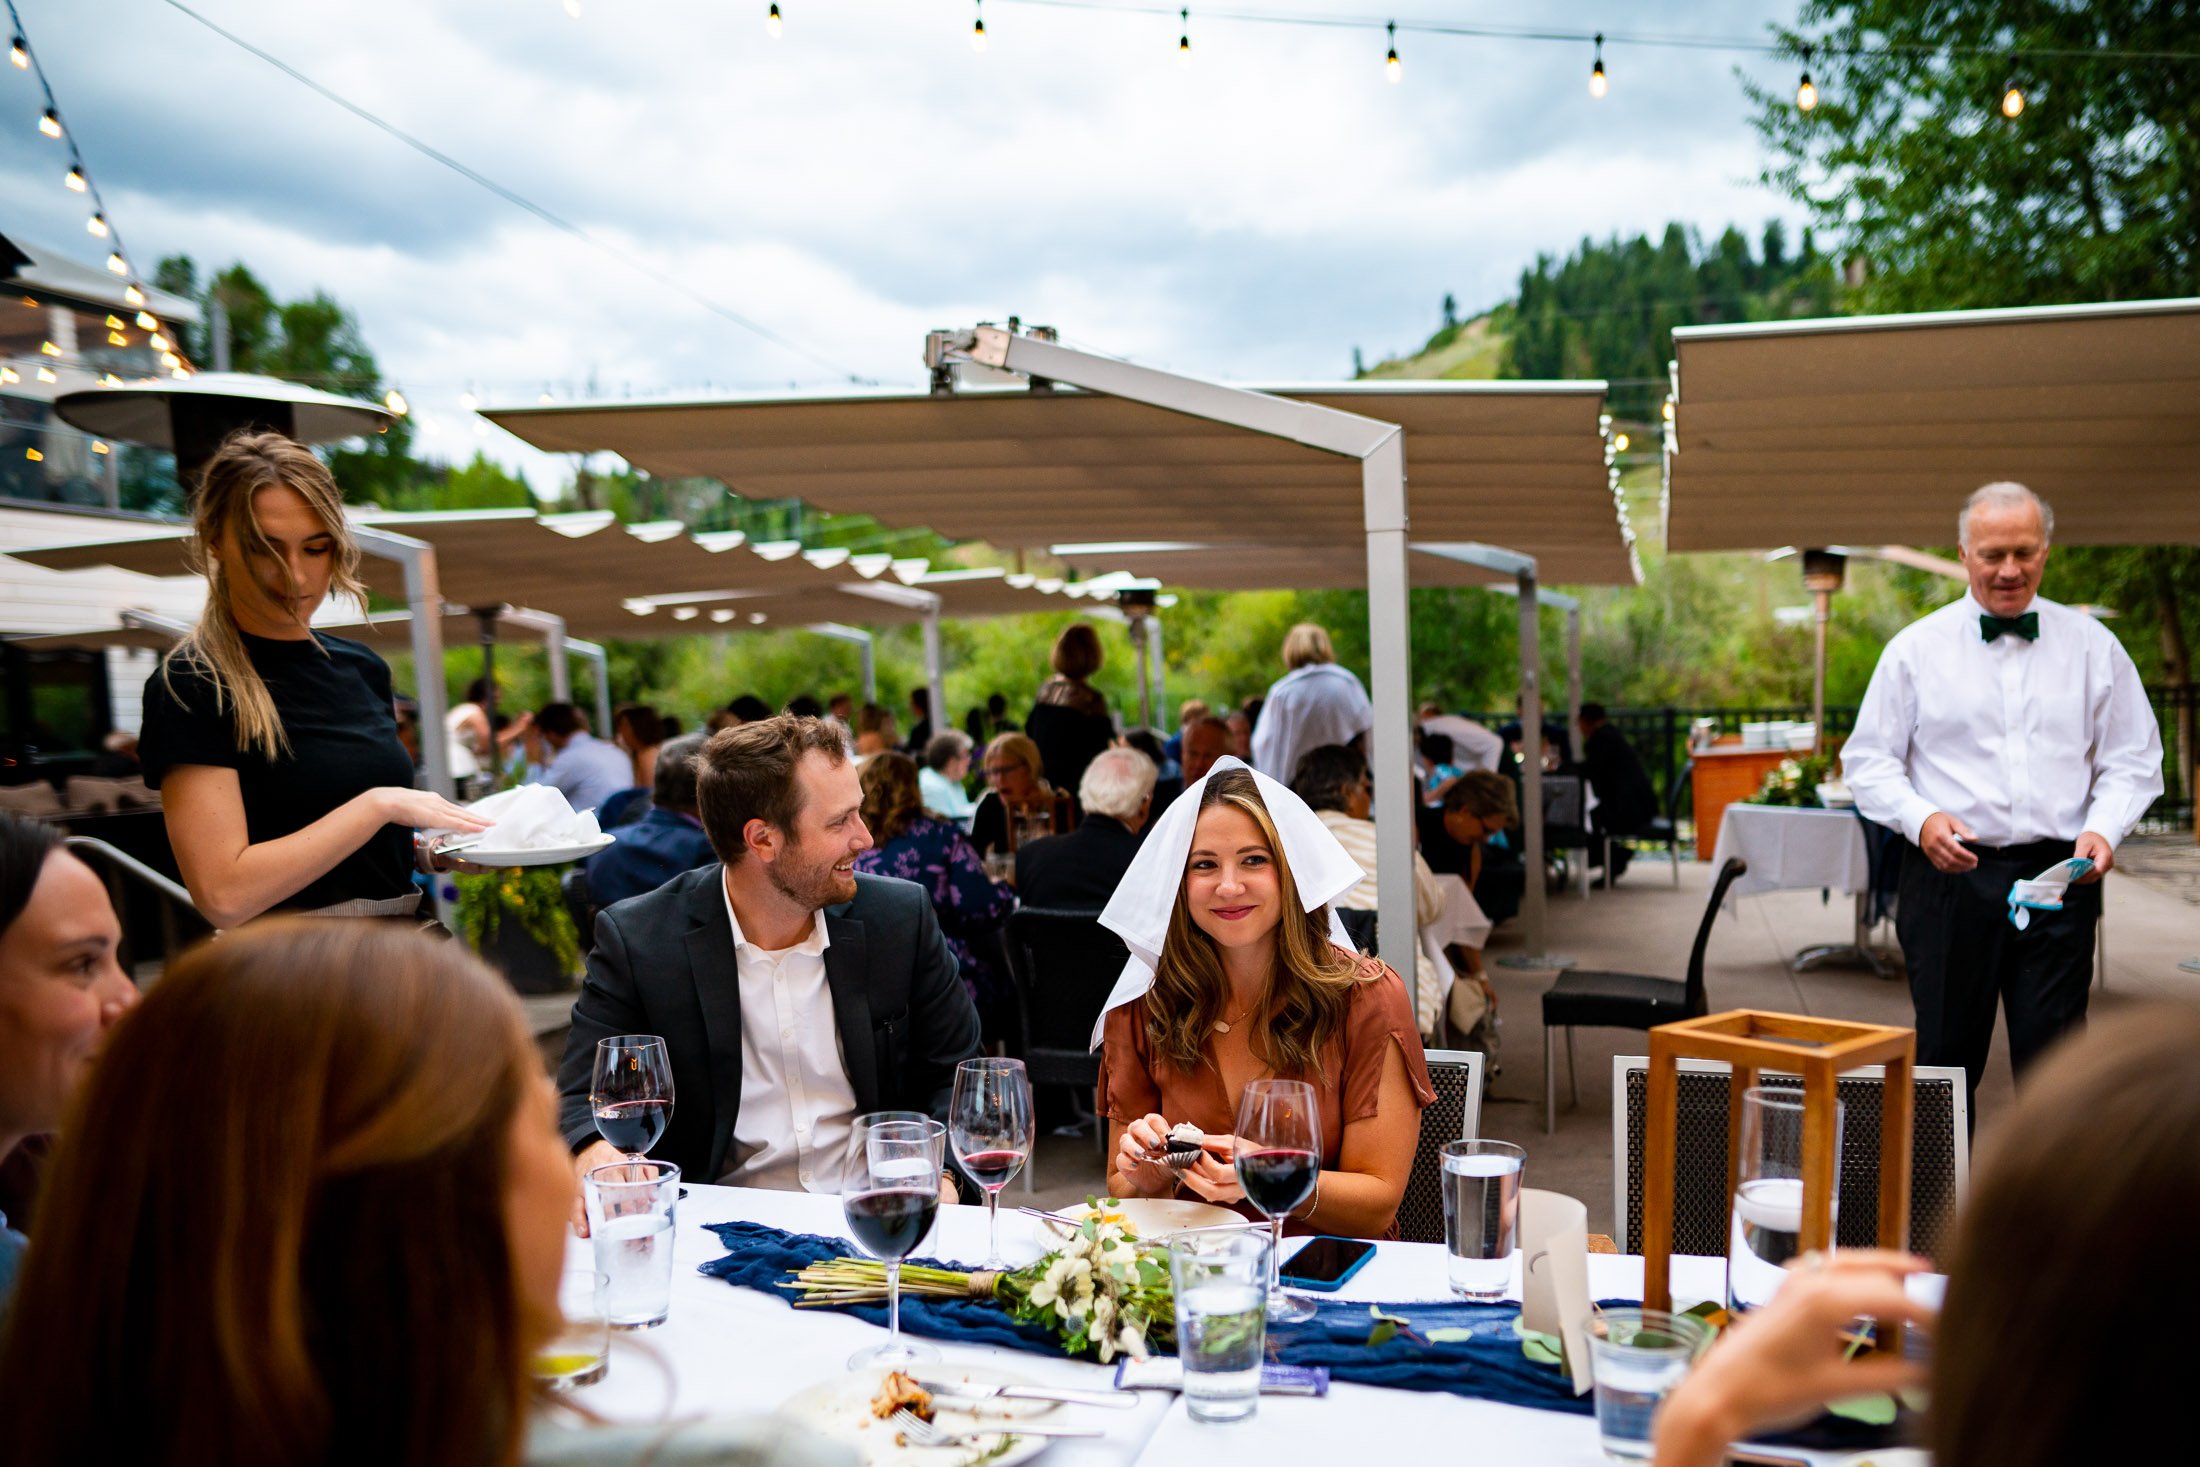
(534,817)
(1139,911)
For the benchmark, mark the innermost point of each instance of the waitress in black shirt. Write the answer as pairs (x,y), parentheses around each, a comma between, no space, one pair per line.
(275,747)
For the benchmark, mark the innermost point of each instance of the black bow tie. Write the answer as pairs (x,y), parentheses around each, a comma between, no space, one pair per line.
(2026,626)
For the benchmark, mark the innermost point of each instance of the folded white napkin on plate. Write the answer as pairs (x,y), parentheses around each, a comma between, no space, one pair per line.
(534,817)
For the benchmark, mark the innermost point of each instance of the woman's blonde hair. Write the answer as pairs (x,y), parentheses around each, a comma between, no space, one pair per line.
(222,515)
(277,1232)
(1306,644)
(1307,993)
(1019,749)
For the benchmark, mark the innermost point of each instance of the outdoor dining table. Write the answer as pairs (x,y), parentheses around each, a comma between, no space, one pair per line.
(725,1349)
(1790,849)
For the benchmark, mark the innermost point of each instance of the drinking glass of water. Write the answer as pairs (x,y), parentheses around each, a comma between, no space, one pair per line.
(1637,1357)
(1279,1159)
(891,1196)
(630,1092)
(1768,1194)
(578,1353)
(1220,1282)
(630,1220)
(989,1123)
(1481,1216)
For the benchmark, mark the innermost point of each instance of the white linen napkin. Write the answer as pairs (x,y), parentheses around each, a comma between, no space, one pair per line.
(533,817)
(2044,892)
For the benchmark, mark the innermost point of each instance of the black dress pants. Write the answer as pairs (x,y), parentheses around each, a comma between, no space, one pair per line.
(1965,956)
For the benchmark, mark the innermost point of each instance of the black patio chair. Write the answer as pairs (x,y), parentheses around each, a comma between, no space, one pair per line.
(1063,964)
(1623,1000)
(1663,830)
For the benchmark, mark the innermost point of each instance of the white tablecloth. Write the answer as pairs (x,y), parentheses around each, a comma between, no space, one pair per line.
(1790,849)
(725,1349)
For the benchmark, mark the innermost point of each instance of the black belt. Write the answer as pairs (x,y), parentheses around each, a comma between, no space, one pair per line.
(2037,850)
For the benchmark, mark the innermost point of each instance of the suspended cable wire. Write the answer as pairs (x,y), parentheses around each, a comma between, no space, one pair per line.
(520,201)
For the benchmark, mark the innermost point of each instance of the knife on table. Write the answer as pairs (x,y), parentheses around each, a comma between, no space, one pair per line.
(978,1390)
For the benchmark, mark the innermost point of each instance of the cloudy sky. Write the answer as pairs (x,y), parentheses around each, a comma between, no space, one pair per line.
(1254,216)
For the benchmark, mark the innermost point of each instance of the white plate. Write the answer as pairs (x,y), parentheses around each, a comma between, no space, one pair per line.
(1156,1217)
(1887,1457)
(840,1409)
(547,856)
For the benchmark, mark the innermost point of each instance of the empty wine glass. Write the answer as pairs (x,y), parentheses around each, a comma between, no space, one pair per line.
(631,1092)
(989,1124)
(890,1196)
(1279,1159)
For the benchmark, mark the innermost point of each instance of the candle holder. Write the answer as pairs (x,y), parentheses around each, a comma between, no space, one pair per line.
(1820,1050)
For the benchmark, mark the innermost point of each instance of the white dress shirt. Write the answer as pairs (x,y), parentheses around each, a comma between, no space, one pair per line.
(1313,706)
(2020,741)
(1473,745)
(797,1107)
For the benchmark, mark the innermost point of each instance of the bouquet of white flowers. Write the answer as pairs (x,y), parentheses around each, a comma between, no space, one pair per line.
(1103,1291)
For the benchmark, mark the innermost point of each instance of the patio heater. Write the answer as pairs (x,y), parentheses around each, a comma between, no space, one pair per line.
(190,416)
(1823,572)
(1137,606)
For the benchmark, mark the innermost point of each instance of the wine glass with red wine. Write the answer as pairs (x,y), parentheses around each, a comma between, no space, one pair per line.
(1279,1156)
(989,1124)
(631,1092)
(890,1196)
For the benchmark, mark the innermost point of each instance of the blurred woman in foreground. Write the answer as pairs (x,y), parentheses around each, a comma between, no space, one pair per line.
(312,1210)
(2063,1337)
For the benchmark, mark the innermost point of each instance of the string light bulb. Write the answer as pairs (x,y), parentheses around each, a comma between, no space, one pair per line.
(159,342)
(133,295)
(1598,86)
(1393,69)
(1184,39)
(1619,442)
(19,52)
(10,376)
(34,455)
(395,402)
(116,338)
(117,264)
(170,360)
(96,226)
(1668,410)
(114,322)
(773,25)
(45,374)
(148,321)
(977,32)
(99,446)
(75,180)
(49,123)
(47,348)
(2012,98)
(1806,92)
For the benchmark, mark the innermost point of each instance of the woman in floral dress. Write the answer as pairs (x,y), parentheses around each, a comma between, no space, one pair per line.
(916,845)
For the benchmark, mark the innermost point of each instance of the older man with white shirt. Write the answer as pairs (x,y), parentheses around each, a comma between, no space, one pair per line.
(2001,734)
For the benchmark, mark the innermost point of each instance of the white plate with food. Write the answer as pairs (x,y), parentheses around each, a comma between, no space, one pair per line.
(1155,1217)
(541,856)
(853,1409)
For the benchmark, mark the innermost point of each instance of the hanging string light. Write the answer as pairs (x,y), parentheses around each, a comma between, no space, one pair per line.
(773,25)
(1393,69)
(19,52)
(395,402)
(49,123)
(1184,40)
(75,180)
(1597,84)
(2012,96)
(1806,94)
(96,226)
(977,32)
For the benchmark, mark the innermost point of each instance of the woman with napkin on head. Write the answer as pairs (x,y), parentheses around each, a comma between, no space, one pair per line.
(1239,971)
(274,746)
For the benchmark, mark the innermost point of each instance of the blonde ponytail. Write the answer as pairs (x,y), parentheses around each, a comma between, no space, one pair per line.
(247,462)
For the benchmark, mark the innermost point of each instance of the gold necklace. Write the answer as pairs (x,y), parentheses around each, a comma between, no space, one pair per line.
(1222,1026)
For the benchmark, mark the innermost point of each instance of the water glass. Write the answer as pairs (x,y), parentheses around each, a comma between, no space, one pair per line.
(1220,1279)
(1481,1216)
(579,1352)
(1637,1357)
(1767,1221)
(630,1221)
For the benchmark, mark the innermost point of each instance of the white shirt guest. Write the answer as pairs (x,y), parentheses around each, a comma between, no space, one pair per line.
(583,768)
(2000,734)
(1317,702)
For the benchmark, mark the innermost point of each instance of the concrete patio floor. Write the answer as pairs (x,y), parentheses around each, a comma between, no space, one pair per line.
(1646,925)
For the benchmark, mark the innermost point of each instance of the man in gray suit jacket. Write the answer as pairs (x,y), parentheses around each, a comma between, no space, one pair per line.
(792,994)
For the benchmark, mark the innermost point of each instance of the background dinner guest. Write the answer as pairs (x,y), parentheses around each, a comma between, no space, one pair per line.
(636,728)
(1081,868)
(275,747)
(910,843)
(946,764)
(1240,724)
(61,989)
(666,841)
(1473,745)
(920,721)
(793,993)
(1069,720)
(1479,809)
(1189,712)
(1248,980)
(2036,1241)
(1626,802)
(1316,702)
(2001,734)
(316,1222)
(582,767)
(1017,795)
(875,732)
(1334,782)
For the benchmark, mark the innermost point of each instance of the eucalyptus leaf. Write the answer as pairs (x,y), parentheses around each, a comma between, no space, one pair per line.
(1449,1336)
(1871,1410)
(1541,1348)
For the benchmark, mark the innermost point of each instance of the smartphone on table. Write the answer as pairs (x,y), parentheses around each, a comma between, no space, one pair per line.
(1324,1263)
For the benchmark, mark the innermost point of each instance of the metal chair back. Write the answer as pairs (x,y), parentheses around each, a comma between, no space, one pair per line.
(1455,1115)
(1063,964)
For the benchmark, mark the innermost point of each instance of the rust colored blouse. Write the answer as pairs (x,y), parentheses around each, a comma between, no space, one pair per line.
(1134,1082)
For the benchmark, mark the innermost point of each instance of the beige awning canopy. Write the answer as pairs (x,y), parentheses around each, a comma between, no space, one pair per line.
(609,580)
(1872,429)
(1328,567)
(1520,464)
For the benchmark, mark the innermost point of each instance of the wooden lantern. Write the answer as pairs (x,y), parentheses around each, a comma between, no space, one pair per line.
(1750,1040)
